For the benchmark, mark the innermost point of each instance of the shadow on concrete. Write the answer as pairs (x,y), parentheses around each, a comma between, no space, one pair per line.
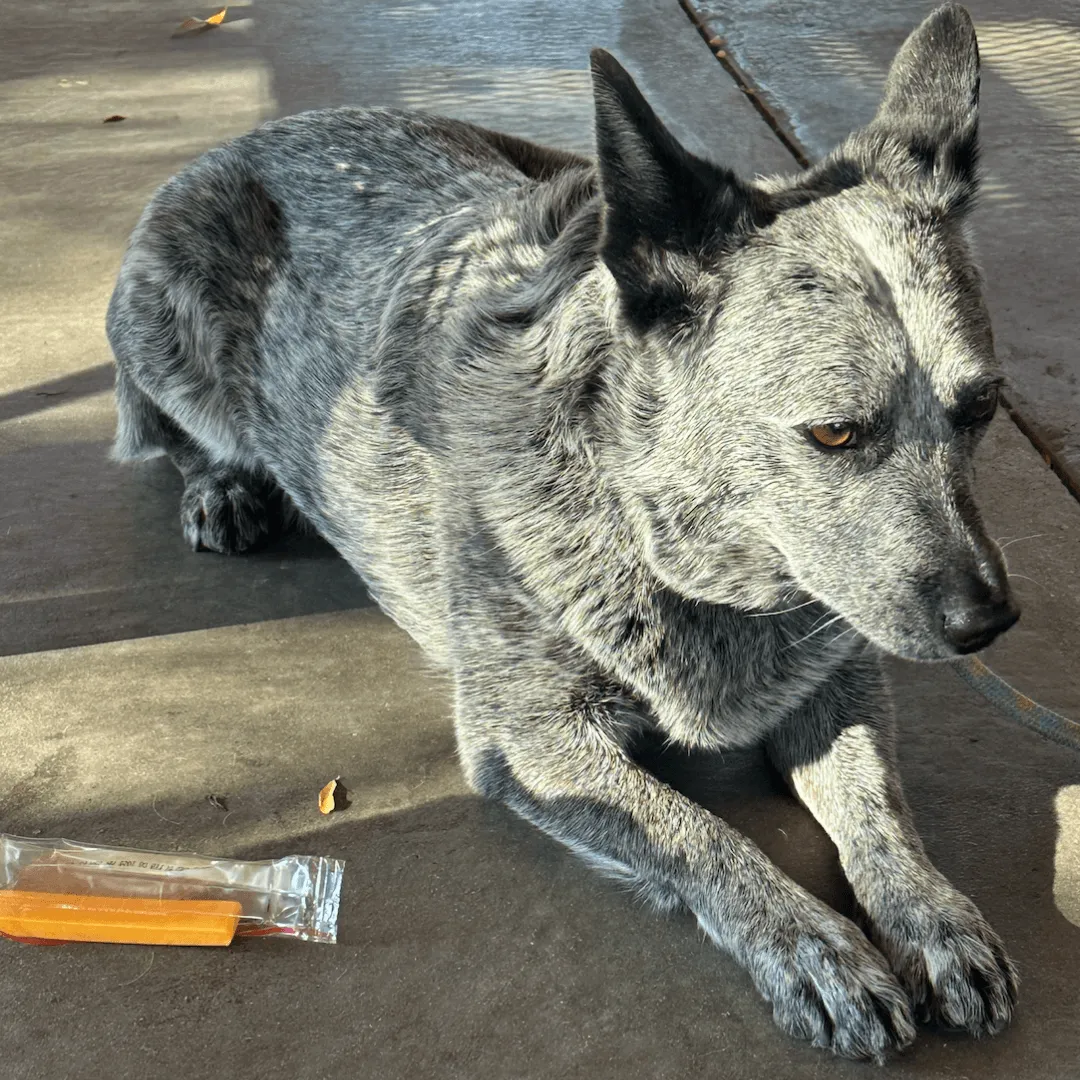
(61,391)
(93,552)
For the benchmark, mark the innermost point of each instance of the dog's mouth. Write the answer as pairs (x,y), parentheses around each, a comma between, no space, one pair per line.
(929,636)
(930,647)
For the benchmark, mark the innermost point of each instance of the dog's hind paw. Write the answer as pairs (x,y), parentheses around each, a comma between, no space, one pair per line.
(953,964)
(225,512)
(829,985)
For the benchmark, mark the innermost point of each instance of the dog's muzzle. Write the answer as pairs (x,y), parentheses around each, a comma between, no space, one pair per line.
(976,613)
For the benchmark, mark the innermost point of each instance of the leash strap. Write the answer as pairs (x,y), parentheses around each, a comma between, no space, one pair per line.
(1050,725)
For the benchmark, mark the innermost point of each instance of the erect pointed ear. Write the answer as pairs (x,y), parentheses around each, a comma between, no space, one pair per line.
(931,102)
(661,202)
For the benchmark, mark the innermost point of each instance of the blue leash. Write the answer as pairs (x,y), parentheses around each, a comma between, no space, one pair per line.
(1050,725)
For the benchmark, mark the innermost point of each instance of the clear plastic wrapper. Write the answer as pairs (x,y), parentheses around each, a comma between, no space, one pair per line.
(49,888)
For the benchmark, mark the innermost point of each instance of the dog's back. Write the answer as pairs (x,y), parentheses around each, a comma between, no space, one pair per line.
(283,304)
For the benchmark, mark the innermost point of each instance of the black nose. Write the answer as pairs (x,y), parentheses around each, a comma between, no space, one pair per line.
(977,613)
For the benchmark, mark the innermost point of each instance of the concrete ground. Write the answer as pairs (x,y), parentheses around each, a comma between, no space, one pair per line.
(137,678)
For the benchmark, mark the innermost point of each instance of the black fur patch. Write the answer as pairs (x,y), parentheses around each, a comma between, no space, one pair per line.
(806,279)
(535,161)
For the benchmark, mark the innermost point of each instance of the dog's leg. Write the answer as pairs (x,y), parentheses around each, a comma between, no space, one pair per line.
(162,398)
(224,508)
(556,752)
(837,752)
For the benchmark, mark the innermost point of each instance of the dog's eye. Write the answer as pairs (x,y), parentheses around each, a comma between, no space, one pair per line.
(834,435)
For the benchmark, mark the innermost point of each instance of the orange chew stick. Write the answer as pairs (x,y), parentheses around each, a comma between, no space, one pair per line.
(122,919)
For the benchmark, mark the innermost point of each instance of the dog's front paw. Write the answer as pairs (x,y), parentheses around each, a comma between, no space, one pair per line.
(829,985)
(947,956)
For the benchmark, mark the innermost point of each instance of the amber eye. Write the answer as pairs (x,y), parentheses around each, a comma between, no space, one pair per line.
(834,435)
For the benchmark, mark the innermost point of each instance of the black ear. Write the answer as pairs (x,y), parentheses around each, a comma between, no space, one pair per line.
(931,102)
(660,200)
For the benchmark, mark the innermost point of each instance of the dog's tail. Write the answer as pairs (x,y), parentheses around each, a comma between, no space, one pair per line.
(141,427)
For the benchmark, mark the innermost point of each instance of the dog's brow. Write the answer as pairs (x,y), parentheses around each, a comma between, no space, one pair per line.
(965,396)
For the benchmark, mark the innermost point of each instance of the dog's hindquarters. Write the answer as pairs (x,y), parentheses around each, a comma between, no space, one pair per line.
(256,279)
(182,324)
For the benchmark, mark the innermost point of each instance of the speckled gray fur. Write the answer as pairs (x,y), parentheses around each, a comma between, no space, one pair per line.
(556,413)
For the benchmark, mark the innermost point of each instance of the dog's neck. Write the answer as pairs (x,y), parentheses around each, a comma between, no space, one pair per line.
(568,489)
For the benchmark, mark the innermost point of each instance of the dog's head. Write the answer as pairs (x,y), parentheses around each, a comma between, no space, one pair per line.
(806,365)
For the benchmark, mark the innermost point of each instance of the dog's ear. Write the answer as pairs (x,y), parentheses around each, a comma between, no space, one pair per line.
(931,103)
(661,202)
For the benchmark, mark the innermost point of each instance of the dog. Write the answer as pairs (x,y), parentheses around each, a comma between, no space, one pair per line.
(632,447)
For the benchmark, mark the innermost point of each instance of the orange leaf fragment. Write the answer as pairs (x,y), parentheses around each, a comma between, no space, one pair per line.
(195,26)
(327,800)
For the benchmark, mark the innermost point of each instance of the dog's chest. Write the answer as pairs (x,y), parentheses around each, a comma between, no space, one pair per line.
(726,678)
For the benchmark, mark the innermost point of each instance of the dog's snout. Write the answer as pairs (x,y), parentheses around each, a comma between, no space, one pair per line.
(977,613)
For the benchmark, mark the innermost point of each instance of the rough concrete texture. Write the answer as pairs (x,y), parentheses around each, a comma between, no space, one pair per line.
(821,65)
(471,946)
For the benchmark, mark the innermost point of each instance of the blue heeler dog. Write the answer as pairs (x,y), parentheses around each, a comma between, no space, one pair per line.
(579,424)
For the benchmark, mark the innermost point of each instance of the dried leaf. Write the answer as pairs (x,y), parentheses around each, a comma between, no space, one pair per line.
(114,119)
(327,800)
(196,26)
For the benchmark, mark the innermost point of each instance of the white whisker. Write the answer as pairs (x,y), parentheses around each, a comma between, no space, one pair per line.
(1033,536)
(843,633)
(835,619)
(1032,580)
(781,611)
